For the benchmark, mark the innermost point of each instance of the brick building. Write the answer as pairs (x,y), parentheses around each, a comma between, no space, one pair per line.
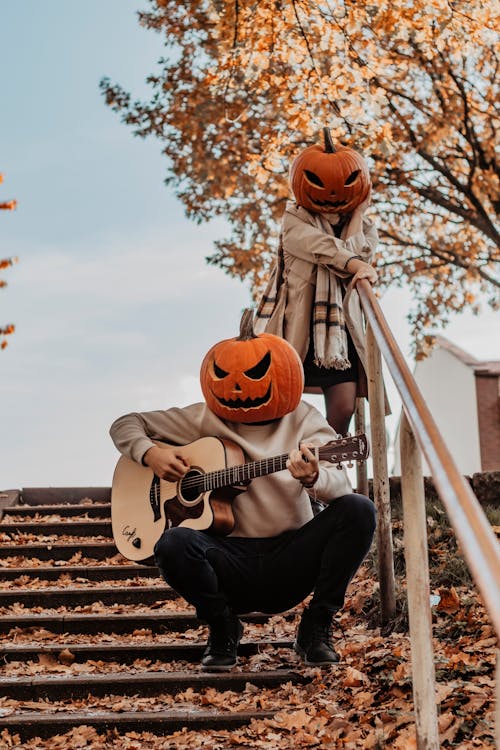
(463,395)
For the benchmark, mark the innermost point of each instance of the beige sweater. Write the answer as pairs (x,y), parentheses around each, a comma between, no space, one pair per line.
(271,504)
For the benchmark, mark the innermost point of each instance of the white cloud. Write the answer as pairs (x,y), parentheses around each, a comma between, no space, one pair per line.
(99,334)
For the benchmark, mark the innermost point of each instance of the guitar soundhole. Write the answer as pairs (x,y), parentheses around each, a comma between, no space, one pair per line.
(191,487)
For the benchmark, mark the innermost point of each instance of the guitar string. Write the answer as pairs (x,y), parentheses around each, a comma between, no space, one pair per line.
(223,474)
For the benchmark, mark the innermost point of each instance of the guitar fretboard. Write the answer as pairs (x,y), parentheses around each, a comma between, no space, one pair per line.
(235,475)
(345,449)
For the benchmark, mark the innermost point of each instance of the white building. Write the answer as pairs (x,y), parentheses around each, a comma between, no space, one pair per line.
(463,395)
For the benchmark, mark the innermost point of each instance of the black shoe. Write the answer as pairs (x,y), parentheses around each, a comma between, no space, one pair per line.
(314,639)
(224,637)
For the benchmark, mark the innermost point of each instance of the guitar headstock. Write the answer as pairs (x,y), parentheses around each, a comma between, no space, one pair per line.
(353,448)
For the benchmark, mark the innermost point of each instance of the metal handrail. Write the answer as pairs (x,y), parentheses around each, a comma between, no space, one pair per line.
(477,539)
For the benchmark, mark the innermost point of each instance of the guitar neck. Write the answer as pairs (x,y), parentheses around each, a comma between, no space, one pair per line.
(236,475)
(344,449)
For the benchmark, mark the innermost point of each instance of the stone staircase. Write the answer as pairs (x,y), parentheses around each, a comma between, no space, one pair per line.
(89,639)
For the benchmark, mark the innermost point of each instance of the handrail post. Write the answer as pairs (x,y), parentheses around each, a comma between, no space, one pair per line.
(381,494)
(361,468)
(474,532)
(418,590)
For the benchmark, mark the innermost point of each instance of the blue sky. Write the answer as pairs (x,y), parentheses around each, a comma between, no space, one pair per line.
(113,302)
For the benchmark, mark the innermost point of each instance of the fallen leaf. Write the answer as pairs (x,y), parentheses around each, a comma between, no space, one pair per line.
(450,601)
(355,678)
(66,657)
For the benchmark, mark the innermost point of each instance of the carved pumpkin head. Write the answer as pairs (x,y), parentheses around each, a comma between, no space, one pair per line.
(252,378)
(329,179)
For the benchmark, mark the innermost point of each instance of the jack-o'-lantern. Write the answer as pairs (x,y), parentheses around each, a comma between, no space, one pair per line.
(252,378)
(329,178)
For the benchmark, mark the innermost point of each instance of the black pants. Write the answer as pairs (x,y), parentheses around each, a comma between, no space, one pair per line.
(271,574)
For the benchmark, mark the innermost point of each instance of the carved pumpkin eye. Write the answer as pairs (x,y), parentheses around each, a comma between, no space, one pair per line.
(352,178)
(313,179)
(260,369)
(219,372)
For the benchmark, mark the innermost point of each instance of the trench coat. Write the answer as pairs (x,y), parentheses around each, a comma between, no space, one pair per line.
(305,247)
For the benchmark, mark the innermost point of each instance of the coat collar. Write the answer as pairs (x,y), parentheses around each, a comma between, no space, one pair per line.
(308,217)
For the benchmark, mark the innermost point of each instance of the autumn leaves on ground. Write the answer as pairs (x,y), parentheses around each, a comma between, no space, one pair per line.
(364,702)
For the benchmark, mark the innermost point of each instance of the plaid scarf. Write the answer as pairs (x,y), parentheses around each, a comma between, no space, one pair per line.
(267,302)
(328,322)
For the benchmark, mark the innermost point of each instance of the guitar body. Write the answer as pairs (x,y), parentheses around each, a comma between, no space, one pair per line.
(143,505)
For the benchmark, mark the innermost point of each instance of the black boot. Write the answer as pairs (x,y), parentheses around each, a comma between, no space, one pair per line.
(313,641)
(224,637)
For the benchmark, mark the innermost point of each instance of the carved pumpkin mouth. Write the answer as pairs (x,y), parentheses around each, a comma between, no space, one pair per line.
(247,403)
(326,204)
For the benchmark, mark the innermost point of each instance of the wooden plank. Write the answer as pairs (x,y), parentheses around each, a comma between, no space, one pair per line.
(46,724)
(417,576)
(82,528)
(385,556)
(361,466)
(89,572)
(54,551)
(8,498)
(96,509)
(125,653)
(77,597)
(51,495)
(55,687)
(102,622)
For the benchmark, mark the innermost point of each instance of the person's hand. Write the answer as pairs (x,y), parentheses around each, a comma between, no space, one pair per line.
(365,272)
(361,270)
(365,204)
(306,472)
(356,220)
(167,463)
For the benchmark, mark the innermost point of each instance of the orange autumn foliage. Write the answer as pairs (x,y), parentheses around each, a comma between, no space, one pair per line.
(6,330)
(245,86)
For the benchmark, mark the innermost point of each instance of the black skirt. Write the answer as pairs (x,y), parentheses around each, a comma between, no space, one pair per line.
(324,377)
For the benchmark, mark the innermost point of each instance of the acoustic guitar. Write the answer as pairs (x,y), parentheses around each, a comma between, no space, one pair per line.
(143,505)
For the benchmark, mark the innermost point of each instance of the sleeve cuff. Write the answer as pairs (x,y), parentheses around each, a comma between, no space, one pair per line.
(358,257)
(139,449)
(342,258)
(359,246)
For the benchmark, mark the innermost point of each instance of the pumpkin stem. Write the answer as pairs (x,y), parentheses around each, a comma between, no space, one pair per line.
(329,144)
(246,326)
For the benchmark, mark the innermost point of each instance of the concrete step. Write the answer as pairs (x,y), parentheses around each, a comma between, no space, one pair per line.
(60,687)
(59,495)
(67,528)
(77,597)
(102,622)
(89,572)
(38,724)
(126,653)
(56,551)
(100,510)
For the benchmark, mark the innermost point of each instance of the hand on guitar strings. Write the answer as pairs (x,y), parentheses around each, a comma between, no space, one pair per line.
(303,465)
(167,463)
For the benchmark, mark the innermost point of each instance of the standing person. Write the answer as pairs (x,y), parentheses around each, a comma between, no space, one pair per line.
(277,553)
(326,247)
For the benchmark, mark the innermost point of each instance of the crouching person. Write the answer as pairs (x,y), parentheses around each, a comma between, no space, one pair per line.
(272,552)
